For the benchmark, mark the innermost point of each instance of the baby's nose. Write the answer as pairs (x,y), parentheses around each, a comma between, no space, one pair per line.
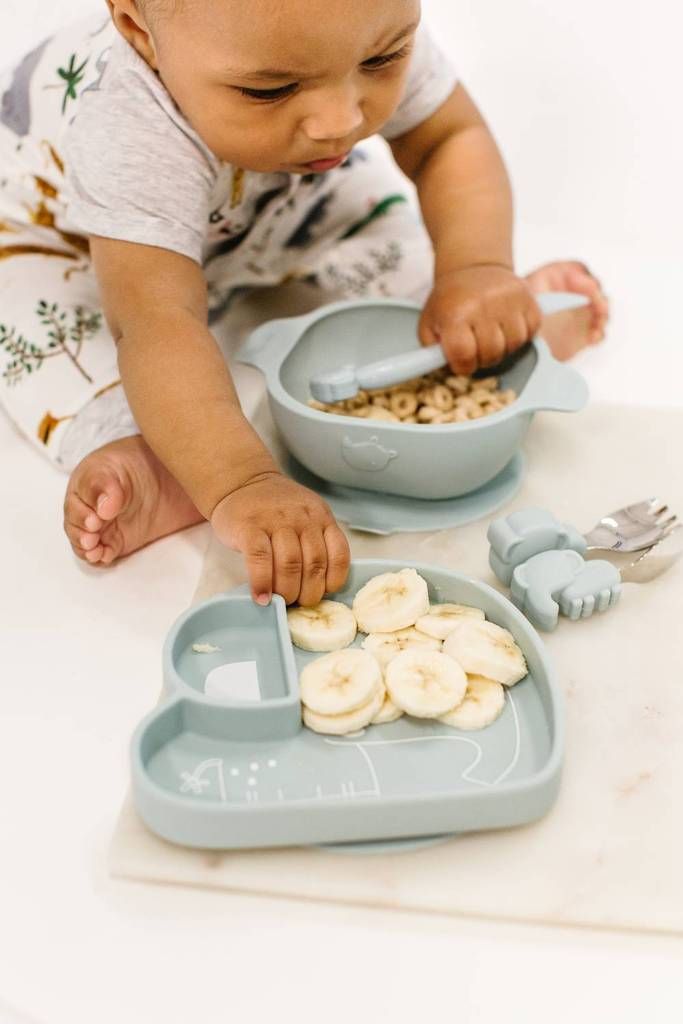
(337,115)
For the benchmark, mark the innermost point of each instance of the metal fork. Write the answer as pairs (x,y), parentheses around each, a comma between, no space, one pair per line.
(633,528)
(652,562)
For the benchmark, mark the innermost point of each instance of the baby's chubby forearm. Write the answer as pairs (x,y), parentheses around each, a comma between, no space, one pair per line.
(176,381)
(183,398)
(184,401)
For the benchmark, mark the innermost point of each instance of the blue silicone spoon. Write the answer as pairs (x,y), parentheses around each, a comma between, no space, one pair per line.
(346,381)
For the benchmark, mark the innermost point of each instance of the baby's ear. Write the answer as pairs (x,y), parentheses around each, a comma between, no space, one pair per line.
(563,537)
(133,19)
(512,549)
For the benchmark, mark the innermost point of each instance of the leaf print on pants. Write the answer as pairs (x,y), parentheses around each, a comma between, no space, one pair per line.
(25,357)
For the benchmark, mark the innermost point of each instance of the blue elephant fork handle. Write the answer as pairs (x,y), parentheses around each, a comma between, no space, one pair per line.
(542,560)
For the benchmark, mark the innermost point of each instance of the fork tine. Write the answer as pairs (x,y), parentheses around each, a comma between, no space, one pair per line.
(640,510)
(656,506)
(665,523)
(644,507)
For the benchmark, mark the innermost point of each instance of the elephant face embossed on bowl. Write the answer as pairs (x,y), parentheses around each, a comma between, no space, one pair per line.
(367,456)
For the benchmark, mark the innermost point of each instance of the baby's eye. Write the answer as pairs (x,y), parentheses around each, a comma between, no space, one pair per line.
(388,58)
(269,94)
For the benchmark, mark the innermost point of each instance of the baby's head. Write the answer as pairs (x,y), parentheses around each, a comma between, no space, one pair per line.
(272,85)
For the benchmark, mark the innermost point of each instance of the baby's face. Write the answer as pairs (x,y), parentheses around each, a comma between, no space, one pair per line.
(272,85)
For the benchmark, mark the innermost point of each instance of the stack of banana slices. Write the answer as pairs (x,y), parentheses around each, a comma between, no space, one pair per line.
(442,661)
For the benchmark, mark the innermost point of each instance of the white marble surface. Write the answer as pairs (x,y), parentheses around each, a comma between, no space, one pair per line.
(597,167)
(623,713)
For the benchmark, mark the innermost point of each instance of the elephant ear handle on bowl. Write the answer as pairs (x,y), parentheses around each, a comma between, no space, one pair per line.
(554,386)
(274,337)
(345,381)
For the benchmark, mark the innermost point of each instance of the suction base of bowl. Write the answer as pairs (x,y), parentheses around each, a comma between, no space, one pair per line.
(372,512)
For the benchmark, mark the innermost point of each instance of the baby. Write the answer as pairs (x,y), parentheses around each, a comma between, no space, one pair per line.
(158,164)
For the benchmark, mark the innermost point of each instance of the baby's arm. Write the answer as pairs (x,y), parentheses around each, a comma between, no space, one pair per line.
(479,309)
(184,401)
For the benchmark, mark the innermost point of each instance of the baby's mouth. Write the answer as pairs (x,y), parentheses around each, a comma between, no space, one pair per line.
(325,163)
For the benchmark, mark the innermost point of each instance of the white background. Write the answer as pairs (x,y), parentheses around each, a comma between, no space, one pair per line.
(584,98)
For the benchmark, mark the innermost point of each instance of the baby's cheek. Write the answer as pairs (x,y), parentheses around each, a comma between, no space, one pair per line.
(235,142)
(383,102)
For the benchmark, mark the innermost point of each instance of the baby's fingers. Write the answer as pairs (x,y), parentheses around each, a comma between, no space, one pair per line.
(533,317)
(314,575)
(460,345)
(517,332)
(288,564)
(491,343)
(309,565)
(258,555)
(338,558)
(453,333)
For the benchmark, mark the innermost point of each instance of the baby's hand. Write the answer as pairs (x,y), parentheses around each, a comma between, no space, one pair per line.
(288,536)
(479,315)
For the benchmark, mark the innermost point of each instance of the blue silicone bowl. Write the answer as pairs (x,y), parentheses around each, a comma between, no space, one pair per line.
(411,460)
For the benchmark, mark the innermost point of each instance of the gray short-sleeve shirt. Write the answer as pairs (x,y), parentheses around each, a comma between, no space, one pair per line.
(137,171)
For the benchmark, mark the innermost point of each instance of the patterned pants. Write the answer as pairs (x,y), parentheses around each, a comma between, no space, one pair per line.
(59,379)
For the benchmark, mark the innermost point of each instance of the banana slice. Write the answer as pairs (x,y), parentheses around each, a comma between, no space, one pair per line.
(386,646)
(483,703)
(426,684)
(352,721)
(391,601)
(340,682)
(329,626)
(485,649)
(387,713)
(441,618)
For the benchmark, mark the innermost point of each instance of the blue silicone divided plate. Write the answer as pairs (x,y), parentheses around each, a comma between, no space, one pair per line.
(247,774)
